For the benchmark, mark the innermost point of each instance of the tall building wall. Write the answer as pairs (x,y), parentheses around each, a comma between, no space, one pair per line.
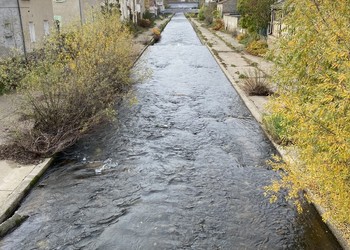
(75,11)
(10,28)
(37,20)
(66,11)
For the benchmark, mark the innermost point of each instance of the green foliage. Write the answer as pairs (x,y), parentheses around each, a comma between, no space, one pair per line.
(207,13)
(247,38)
(201,16)
(75,84)
(132,27)
(277,126)
(12,70)
(191,15)
(313,77)
(148,15)
(257,48)
(255,15)
(216,14)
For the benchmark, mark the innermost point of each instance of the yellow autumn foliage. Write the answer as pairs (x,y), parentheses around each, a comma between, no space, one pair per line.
(313,77)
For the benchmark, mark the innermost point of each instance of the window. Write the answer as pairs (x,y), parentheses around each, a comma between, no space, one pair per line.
(46,28)
(57,22)
(8,29)
(32,32)
(7,26)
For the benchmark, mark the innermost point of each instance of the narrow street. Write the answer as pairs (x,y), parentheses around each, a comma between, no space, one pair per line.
(183,167)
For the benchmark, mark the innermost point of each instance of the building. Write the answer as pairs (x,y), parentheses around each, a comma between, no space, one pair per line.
(229,13)
(276,25)
(11,36)
(154,6)
(151,6)
(132,10)
(75,11)
(160,5)
(227,7)
(24,23)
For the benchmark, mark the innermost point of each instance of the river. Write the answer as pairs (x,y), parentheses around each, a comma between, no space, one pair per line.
(183,167)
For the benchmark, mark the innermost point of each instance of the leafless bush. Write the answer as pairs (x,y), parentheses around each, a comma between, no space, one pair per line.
(256,82)
(83,72)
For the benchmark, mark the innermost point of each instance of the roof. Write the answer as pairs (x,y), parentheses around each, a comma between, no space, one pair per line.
(278,5)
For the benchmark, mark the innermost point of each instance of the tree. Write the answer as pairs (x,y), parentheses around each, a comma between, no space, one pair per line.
(255,14)
(313,76)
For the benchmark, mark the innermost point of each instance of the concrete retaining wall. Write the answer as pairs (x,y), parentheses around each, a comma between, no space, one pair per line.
(231,22)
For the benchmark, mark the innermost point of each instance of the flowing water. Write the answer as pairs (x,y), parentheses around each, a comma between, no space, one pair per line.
(182,168)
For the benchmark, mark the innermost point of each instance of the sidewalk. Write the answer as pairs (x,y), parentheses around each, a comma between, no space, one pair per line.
(16,179)
(234,61)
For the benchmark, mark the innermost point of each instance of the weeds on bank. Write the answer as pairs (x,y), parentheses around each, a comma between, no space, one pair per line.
(156,34)
(257,48)
(256,82)
(277,126)
(254,44)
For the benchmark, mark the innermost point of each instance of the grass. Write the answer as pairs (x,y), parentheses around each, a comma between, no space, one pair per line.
(277,127)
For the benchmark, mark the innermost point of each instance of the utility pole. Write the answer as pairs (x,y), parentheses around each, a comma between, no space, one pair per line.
(22,31)
(80,11)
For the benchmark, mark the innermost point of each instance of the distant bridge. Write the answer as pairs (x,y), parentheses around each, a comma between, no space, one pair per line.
(170,2)
(182,7)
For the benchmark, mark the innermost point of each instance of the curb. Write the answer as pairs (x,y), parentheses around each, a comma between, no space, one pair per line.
(17,195)
(286,154)
(143,51)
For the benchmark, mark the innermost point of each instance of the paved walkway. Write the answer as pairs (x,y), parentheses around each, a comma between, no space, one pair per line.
(17,179)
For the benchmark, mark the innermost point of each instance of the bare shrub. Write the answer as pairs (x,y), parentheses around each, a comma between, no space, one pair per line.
(256,82)
(145,23)
(82,72)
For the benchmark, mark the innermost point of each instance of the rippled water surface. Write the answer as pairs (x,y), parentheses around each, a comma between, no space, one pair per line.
(183,168)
